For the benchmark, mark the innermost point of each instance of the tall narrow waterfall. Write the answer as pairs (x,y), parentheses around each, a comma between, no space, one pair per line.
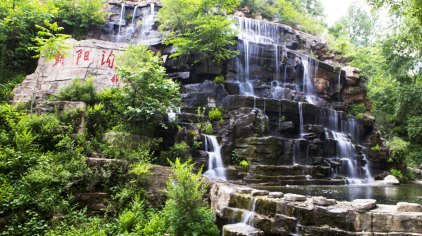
(148,22)
(216,168)
(121,22)
(310,67)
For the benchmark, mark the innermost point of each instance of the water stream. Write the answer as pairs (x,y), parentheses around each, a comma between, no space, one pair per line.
(121,22)
(216,168)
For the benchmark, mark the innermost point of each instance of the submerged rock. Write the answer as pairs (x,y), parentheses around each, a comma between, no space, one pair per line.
(290,197)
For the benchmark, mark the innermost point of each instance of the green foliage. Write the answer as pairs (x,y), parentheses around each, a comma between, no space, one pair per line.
(177,151)
(79,90)
(49,43)
(376,148)
(215,114)
(200,30)
(132,216)
(149,92)
(185,210)
(7,87)
(357,109)
(80,16)
(245,165)
(398,148)
(397,173)
(292,14)
(207,128)
(219,79)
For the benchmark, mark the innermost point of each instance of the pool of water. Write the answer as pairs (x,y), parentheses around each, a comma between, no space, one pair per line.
(382,193)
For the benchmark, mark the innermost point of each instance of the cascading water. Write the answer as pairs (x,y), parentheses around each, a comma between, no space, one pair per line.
(148,22)
(216,168)
(130,30)
(367,168)
(310,67)
(301,128)
(247,217)
(121,22)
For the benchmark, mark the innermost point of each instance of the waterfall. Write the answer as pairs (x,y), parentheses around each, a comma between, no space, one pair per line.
(301,129)
(121,21)
(310,67)
(296,153)
(257,31)
(368,174)
(277,63)
(216,168)
(130,30)
(247,217)
(339,85)
(147,23)
(246,87)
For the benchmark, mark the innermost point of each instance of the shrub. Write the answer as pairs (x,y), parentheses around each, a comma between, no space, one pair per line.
(219,79)
(185,211)
(178,150)
(215,114)
(357,109)
(398,148)
(48,129)
(80,91)
(245,165)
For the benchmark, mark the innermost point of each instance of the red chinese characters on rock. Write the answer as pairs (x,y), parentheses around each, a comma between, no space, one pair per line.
(108,59)
(115,79)
(59,59)
(79,54)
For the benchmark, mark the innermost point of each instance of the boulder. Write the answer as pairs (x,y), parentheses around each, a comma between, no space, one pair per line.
(275,195)
(363,205)
(409,207)
(290,197)
(391,180)
(257,192)
(241,229)
(322,201)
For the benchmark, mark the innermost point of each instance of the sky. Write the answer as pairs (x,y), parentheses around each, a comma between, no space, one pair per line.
(335,9)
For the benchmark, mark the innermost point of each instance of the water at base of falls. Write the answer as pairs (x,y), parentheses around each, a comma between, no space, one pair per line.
(216,168)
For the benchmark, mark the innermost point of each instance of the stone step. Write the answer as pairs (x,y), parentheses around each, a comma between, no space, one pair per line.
(241,229)
(285,169)
(258,182)
(265,178)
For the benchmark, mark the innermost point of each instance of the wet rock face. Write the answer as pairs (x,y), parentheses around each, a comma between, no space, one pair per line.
(314,215)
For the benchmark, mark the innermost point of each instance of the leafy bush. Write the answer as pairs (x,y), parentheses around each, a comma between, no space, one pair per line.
(201,30)
(80,16)
(185,211)
(245,165)
(219,79)
(149,92)
(357,109)
(48,129)
(398,148)
(80,91)
(215,114)
(178,150)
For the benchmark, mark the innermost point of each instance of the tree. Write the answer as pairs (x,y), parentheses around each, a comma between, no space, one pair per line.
(185,211)
(358,25)
(148,91)
(199,28)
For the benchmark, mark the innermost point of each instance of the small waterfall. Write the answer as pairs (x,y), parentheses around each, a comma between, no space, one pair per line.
(147,23)
(367,168)
(277,63)
(130,30)
(310,67)
(245,85)
(171,114)
(121,21)
(301,129)
(339,85)
(258,31)
(247,217)
(352,127)
(277,91)
(216,168)
(296,152)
